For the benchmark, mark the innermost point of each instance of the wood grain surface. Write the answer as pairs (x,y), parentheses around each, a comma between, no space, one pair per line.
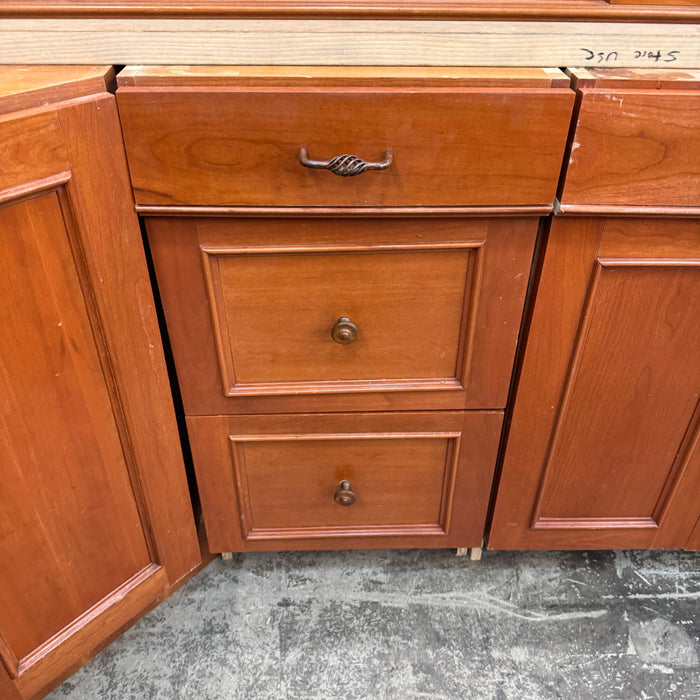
(603,446)
(241,146)
(635,147)
(386,42)
(95,513)
(693,542)
(339,76)
(633,78)
(267,482)
(281,284)
(663,10)
(24,87)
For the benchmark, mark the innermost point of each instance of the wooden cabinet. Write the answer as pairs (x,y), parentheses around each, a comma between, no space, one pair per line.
(603,444)
(331,324)
(95,515)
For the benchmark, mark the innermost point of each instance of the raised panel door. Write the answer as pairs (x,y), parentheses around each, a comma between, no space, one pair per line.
(95,520)
(603,445)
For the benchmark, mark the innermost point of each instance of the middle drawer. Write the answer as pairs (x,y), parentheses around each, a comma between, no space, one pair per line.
(285,315)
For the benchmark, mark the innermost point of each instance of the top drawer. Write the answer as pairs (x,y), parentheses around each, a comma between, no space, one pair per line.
(637,140)
(227,137)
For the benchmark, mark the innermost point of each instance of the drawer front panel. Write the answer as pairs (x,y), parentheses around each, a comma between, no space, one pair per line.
(405,479)
(277,312)
(254,310)
(241,146)
(635,148)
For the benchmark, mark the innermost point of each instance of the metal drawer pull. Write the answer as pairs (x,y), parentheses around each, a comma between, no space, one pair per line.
(344,331)
(345,165)
(344,496)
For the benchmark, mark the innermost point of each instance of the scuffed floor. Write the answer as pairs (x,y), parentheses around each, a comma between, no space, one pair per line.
(415,624)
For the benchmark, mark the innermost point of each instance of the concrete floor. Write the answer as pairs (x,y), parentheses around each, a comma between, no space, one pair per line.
(415,624)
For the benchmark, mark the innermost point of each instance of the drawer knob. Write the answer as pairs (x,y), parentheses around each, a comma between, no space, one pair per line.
(346,165)
(344,496)
(344,331)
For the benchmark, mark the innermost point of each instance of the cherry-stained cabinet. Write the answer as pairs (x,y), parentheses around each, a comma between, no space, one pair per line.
(342,257)
(95,518)
(602,450)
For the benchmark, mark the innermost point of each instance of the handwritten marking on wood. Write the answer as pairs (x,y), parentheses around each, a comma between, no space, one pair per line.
(345,42)
(629,57)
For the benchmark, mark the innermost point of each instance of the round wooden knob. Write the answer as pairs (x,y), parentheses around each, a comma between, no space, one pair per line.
(344,331)
(344,496)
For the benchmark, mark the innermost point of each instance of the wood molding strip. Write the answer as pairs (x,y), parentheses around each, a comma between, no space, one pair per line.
(303,437)
(343,386)
(338,212)
(621,211)
(86,631)
(349,531)
(93,613)
(348,42)
(594,523)
(631,10)
(31,189)
(678,469)
(8,658)
(572,371)
(474,244)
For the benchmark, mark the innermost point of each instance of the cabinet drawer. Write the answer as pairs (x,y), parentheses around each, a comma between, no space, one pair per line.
(412,479)
(241,144)
(254,309)
(637,141)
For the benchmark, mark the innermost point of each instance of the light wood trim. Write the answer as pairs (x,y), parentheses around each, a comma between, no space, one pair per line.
(341,42)
(647,78)
(339,76)
(649,10)
(24,88)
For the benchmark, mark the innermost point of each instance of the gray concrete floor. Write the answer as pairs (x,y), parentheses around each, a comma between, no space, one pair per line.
(415,624)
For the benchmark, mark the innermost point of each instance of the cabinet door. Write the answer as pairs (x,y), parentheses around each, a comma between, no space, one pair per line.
(603,445)
(95,519)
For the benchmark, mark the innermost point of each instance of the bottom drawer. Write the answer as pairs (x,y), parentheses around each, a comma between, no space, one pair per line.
(345,480)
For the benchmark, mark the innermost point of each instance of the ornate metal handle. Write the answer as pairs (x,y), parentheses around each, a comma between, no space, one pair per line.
(344,496)
(344,331)
(345,165)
